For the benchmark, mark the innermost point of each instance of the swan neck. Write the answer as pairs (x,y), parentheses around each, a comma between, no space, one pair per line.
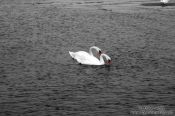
(90,51)
(101,59)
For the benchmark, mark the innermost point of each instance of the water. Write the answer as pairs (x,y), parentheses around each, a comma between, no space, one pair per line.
(38,77)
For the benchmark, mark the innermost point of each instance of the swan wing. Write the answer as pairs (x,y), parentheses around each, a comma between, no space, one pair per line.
(85,58)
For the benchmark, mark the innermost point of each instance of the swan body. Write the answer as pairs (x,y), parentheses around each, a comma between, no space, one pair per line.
(83,58)
(85,55)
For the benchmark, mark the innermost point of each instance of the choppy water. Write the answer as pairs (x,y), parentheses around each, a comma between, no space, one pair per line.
(38,77)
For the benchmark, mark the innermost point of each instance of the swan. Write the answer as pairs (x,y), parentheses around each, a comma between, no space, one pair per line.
(89,60)
(90,55)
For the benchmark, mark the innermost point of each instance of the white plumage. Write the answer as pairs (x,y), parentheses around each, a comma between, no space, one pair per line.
(164,1)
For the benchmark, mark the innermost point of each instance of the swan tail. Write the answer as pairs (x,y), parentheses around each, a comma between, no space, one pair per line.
(72,54)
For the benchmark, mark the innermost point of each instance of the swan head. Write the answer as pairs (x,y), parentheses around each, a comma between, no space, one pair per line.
(108,59)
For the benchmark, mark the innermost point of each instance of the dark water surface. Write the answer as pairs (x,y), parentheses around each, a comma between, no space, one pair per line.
(38,77)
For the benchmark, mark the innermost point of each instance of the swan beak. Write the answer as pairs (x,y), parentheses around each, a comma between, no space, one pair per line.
(109,62)
(100,52)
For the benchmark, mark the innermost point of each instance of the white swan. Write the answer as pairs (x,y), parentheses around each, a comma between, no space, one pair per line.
(82,54)
(89,60)
(164,1)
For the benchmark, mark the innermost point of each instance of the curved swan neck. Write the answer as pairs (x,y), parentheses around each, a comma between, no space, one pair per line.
(101,58)
(90,50)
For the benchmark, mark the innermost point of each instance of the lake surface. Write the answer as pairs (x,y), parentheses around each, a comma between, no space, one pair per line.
(39,78)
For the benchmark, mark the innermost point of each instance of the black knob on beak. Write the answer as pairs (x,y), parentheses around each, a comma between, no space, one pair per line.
(100,52)
(109,61)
